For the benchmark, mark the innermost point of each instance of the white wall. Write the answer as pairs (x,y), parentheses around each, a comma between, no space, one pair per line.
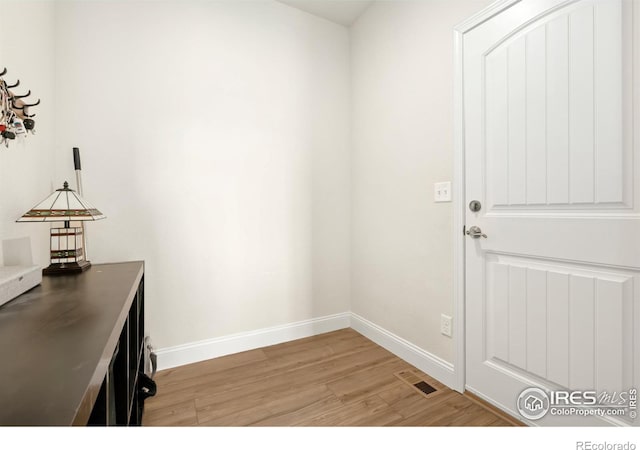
(402,93)
(26,167)
(215,137)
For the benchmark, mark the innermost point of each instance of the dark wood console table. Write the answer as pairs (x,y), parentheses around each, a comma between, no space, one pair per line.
(71,349)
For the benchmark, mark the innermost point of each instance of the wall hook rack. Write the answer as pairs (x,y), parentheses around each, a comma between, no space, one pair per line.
(15,120)
(22,96)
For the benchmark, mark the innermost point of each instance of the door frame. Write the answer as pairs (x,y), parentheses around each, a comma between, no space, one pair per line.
(458,191)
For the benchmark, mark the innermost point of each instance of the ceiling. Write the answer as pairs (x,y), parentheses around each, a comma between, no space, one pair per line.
(343,12)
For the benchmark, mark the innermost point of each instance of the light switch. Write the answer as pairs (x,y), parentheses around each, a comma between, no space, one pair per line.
(442,191)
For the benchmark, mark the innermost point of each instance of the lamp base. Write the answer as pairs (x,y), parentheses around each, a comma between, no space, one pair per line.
(66,268)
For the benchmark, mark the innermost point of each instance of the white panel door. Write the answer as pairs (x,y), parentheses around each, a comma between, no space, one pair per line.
(553,291)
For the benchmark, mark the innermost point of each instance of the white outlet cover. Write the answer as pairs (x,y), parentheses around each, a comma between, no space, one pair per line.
(442,191)
(445,325)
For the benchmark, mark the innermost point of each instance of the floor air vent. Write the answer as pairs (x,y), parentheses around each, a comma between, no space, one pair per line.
(416,382)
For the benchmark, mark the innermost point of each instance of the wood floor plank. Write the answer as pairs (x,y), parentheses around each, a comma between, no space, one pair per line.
(449,413)
(179,374)
(268,406)
(475,416)
(235,377)
(384,417)
(499,422)
(334,379)
(179,414)
(361,384)
(350,413)
(292,378)
(303,414)
(429,410)
(512,421)
(317,362)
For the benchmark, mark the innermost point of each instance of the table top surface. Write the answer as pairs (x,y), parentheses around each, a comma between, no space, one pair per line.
(56,342)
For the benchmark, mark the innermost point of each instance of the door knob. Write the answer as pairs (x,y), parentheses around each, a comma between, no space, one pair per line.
(475,232)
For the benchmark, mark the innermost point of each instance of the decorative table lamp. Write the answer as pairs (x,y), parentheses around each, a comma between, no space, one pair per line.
(67,252)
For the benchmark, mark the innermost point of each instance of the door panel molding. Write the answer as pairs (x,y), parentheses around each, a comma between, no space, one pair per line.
(561,322)
(532,89)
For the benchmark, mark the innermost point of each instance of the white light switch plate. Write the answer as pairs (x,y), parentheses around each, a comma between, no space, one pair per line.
(442,191)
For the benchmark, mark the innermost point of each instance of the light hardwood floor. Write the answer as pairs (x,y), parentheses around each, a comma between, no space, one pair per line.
(334,379)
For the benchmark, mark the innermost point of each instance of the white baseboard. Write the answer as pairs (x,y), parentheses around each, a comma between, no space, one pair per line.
(240,342)
(212,348)
(430,364)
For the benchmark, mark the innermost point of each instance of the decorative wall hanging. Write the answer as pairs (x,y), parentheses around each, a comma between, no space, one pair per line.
(15,120)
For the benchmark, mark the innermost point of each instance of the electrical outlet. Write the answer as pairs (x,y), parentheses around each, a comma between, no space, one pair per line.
(442,191)
(445,325)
